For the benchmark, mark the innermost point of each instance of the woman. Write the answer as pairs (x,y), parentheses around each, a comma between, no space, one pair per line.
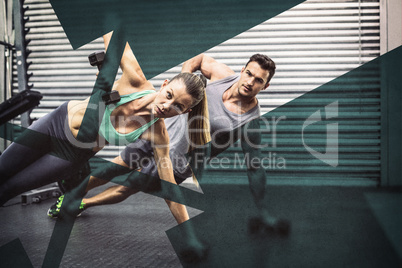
(46,152)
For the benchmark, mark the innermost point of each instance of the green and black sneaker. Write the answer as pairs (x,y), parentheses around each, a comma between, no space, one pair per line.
(54,210)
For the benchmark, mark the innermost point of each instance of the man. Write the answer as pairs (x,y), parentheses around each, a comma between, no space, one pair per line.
(232,103)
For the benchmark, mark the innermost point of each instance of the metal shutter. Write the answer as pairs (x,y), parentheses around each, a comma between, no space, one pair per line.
(311,43)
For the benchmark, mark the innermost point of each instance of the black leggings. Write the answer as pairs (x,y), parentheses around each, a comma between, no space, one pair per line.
(41,155)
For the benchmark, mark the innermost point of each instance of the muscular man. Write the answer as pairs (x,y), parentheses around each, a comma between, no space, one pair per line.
(232,103)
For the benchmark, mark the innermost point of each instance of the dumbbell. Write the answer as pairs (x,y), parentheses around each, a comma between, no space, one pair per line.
(96,59)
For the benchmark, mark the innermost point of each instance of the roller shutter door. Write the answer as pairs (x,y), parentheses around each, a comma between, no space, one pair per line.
(312,44)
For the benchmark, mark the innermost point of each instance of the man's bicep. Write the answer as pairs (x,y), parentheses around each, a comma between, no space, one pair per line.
(215,70)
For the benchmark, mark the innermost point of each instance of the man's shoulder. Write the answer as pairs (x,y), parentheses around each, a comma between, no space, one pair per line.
(227,79)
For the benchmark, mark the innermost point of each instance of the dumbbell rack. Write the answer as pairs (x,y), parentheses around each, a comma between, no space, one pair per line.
(22,53)
(32,98)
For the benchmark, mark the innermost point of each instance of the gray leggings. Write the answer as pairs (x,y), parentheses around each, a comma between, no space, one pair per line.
(139,154)
(41,155)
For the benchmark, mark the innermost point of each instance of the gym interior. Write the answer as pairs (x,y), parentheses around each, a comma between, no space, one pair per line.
(331,123)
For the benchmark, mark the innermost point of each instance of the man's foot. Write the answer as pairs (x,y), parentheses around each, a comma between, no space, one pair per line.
(54,210)
(194,253)
(279,226)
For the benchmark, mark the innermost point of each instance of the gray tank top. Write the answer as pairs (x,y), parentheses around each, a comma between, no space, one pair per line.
(220,118)
(221,121)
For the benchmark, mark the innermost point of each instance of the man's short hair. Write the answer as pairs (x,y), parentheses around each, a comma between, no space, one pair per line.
(265,63)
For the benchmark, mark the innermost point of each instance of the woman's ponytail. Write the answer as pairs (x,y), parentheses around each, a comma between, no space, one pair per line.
(198,117)
(198,123)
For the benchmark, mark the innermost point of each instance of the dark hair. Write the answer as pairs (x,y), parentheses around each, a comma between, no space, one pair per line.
(265,63)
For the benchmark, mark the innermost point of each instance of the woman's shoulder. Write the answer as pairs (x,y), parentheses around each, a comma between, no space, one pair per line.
(134,96)
(138,92)
(125,87)
(77,104)
(128,91)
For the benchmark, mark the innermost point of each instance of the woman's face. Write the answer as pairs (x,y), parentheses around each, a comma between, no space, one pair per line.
(171,100)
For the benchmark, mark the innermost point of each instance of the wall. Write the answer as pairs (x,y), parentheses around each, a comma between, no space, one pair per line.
(391,97)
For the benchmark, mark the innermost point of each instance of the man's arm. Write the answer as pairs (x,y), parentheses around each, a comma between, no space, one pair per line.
(208,66)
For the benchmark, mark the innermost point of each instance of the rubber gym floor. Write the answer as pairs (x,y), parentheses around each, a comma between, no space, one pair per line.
(331,227)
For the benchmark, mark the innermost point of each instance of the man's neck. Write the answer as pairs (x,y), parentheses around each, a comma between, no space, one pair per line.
(236,103)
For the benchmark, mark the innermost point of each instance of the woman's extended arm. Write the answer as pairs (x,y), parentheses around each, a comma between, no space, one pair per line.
(160,141)
(132,79)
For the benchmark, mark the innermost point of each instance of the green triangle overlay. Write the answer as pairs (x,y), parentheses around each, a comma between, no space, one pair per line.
(157,54)
(208,202)
(75,17)
(227,206)
(13,254)
(163,34)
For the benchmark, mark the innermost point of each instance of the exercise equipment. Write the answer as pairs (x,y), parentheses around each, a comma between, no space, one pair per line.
(19,104)
(22,53)
(96,59)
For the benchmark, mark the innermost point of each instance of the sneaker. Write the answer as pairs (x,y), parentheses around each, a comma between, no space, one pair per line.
(54,210)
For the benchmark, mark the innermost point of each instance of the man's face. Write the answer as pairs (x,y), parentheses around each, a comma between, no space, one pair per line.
(172,100)
(252,80)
